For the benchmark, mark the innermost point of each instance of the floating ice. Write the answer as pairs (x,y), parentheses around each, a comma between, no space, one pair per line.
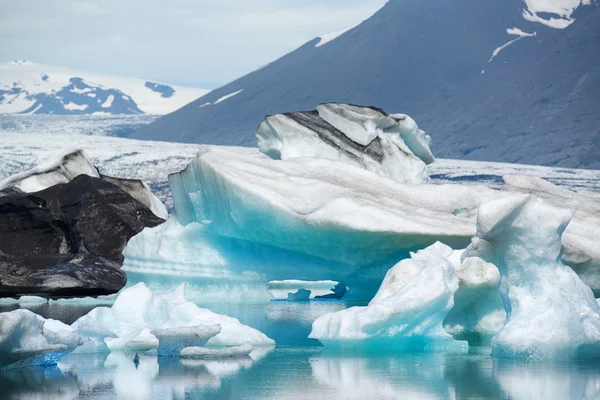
(407,312)
(243,350)
(244,219)
(478,308)
(551,312)
(173,341)
(283,290)
(580,240)
(137,313)
(61,169)
(69,165)
(364,137)
(23,341)
(26,300)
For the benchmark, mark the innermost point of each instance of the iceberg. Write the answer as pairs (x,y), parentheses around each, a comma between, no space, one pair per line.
(243,219)
(68,166)
(243,350)
(139,320)
(551,313)
(289,289)
(478,309)
(580,240)
(24,342)
(363,137)
(172,341)
(406,314)
(58,170)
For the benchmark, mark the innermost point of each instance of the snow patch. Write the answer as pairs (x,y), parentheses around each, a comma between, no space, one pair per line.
(109,101)
(331,37)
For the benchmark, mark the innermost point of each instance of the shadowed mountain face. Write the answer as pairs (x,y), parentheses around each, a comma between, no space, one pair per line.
(537,101)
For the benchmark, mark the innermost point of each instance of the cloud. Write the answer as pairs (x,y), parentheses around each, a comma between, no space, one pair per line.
(203,42)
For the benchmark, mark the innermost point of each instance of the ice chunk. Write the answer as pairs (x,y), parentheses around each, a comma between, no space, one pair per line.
(173,341)
(417,141)
(282,290)
(138,313)
(61,169)
(359,124)
(137,340)
(70,165)
(478,308)
(301,205)
(22,342)
(407,312)
(243,350)
(306,134)
(551,312)
(580,240)
(141,192)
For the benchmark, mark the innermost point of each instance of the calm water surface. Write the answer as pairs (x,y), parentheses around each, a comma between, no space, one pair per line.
(299,370)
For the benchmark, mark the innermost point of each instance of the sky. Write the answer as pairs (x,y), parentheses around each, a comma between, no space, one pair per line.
(201,43)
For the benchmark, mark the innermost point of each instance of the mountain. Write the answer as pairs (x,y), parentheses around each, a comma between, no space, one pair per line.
(30,88)
(495,80)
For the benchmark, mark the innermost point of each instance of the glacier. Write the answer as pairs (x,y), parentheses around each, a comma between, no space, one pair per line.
(407,312)
(551,313)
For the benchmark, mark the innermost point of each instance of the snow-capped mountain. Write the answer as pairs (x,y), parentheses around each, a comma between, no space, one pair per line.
(495,80)
(30,88)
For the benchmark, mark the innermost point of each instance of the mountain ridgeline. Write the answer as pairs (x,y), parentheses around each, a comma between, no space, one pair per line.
(534,101)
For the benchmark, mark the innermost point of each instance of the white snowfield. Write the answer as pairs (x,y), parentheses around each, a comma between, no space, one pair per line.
(552,314)
(407,313)
(562,9)
(35,78)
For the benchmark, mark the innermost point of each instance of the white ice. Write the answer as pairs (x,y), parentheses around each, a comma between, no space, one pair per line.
(60,169)
(137,312)
(172,341)
(25,341)
(363,137)
(243,350)
(407,312)
(551,312)
(70,164)
(281,290)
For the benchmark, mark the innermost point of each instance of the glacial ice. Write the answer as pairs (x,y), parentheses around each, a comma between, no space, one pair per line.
(172,341)
(25,342)
(243,350)
(137,314)
(478,308)
(552,314)
(61,169)
(283,290)
(580,240)
(69,165)
(244,219)
(363,137)
(407,312)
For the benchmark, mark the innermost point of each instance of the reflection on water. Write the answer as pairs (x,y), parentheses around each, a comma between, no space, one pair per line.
(307,373)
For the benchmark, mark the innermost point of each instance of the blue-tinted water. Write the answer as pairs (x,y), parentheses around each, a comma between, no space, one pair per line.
(299,369)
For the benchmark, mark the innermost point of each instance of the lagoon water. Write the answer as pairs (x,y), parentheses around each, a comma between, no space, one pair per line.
(297,369)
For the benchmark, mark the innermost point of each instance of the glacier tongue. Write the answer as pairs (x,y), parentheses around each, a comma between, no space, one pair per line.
(407,312)
(551,312)
(364,137)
